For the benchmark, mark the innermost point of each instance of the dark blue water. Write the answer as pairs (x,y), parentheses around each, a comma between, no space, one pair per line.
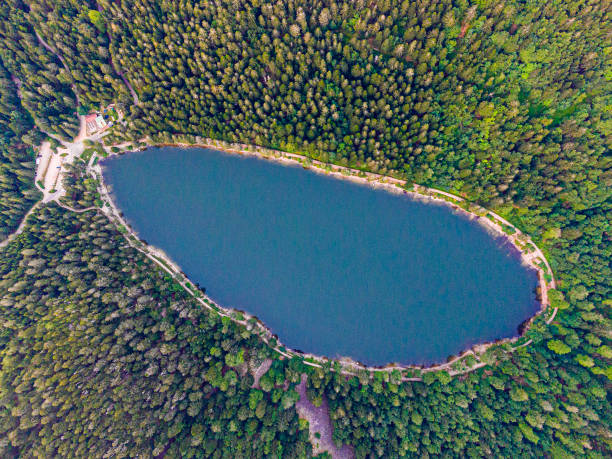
(333,268)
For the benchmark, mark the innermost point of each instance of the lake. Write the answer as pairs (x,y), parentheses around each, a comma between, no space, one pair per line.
(331,267)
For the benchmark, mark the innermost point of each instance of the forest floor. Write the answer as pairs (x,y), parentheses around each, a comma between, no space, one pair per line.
(52,173)
(44,155)
(51,167)
(320,425)
(261,370)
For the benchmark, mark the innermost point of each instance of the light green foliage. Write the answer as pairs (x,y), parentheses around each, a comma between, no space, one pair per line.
(95,17)
(605,351)
(234,360)
(585,360)
(518,395)
(557,300)
(558,346)
(528,432)
(443,377)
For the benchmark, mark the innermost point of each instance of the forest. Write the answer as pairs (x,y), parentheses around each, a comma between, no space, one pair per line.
(17,135)
(506,103)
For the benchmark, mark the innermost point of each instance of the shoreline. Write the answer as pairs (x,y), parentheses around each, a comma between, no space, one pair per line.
(492,222)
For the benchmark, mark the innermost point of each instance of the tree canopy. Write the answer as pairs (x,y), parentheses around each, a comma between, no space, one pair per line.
(506,103)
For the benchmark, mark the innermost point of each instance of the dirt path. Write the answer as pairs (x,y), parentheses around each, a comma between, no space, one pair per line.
(50,49)
(56,54)
(261,370)
(129,86)
(112,64)
(73,149)
(21,226)
(66,153)
(78,211)
(52,173)
(320,423)
(82,130)
(45,155)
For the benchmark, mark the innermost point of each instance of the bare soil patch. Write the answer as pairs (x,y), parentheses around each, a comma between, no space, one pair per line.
(319,422)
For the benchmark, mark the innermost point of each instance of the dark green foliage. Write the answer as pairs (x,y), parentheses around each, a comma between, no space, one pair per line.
(526,404)
(507,103)
(46,91)
(17,192)
(76,30)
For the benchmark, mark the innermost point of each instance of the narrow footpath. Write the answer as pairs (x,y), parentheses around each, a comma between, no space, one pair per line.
(21,226)
(59,56)
(69,151)
(112,64)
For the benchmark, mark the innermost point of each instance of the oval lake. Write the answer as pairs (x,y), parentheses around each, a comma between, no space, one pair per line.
(332,267)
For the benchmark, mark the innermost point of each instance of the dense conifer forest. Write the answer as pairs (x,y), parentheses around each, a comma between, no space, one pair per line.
(507,103)
(17,135)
